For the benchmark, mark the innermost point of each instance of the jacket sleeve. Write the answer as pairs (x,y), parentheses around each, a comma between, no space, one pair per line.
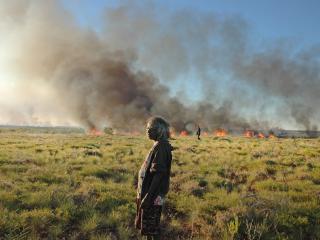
(151,195)
(159,161)
(158,169)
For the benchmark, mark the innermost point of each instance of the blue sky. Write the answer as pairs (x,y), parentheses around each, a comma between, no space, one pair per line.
(294,20)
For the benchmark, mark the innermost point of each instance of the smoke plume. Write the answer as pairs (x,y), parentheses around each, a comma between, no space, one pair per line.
(144,63)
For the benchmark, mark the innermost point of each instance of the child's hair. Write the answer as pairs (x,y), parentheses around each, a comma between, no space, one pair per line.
(161,127)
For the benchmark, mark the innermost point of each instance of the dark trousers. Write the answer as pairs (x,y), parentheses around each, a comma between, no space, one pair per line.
(148,220)
(155,237)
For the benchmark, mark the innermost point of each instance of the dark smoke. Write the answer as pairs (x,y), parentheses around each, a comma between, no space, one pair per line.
(293,78)
(123,75)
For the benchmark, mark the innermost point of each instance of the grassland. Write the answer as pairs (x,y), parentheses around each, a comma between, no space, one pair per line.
(74,186)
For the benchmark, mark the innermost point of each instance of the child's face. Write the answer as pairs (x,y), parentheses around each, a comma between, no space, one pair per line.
(151,132)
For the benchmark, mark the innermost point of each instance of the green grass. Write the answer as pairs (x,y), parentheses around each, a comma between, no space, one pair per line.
(74,186)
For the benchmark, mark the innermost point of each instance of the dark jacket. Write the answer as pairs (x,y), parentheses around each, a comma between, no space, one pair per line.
(157,177)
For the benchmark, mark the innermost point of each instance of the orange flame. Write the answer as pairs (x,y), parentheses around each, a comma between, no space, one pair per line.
(248,133)
(220,132)
(95,132)
(184,133)
(261,135)
(205,134)
(271,135)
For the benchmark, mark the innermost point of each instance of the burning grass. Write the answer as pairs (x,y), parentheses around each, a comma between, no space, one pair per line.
(83,187)
(220,133)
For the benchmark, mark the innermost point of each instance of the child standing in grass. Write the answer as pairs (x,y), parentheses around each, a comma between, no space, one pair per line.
(153,179)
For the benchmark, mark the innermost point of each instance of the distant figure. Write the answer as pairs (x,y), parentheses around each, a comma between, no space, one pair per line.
(153,179)
(199,132)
